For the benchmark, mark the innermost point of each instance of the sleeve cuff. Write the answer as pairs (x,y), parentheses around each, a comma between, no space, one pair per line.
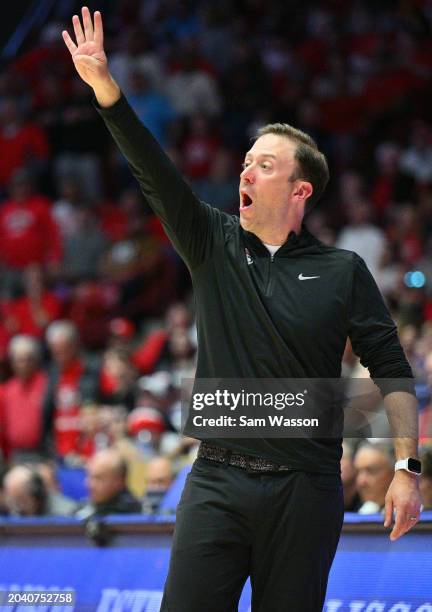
(113,111)
(391,385)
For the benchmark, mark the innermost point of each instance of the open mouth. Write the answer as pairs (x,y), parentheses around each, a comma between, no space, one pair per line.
(246,201)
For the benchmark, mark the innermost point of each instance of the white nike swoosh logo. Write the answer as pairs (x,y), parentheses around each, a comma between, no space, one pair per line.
(301,277)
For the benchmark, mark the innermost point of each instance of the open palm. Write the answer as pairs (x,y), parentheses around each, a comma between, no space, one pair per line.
(88,53)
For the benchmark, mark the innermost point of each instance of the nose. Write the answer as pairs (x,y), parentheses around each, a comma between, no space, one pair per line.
(248,175)
(362,481)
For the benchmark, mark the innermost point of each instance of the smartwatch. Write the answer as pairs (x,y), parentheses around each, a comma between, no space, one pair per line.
(411,464)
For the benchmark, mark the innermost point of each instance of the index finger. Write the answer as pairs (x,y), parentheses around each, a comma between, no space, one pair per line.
(98,28)
(69,42)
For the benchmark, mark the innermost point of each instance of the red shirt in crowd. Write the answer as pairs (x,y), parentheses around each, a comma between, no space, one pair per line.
(28,233)
(21,409)
(18,146)
(66,427)
(197,154)
(146,356)
(27,317)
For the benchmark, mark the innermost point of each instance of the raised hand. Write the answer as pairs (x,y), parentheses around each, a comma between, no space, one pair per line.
(89,57)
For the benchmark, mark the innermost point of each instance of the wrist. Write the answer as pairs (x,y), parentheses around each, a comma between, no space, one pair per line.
(405,475)
(107,92)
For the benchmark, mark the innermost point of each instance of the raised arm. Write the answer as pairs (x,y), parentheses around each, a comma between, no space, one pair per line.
(88,56)
(189,223)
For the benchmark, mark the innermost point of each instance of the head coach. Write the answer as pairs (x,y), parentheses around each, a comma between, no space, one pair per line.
(272,302)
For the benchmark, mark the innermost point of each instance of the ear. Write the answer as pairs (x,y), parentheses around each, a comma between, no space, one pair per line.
(303,191)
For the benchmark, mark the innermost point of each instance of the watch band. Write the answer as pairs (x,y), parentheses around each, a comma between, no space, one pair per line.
(410,464)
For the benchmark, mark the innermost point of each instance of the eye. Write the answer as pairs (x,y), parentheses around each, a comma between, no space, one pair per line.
(245,164)
(265,165)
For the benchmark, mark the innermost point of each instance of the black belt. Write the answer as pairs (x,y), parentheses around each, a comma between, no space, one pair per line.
(246,462)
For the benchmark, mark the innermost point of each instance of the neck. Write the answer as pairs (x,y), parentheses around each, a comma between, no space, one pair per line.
(278,230)
(277,236)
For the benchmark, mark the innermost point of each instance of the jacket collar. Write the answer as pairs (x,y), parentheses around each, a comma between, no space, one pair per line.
(295,242)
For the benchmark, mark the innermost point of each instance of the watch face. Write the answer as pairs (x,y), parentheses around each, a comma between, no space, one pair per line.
(414,465)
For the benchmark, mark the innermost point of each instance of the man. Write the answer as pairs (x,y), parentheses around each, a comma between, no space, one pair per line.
(23,397)
(26,219)
(426,478)
(26,494)
(159,478)
(249,506)
(374,464)
(59,503)
(352,501)
(72,381)
(106,482)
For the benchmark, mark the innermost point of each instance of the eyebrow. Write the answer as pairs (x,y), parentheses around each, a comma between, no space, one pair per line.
(261,155)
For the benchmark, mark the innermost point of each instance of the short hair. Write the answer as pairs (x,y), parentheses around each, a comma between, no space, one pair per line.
(312,164)
(382,446)
(22,342)
(61,328)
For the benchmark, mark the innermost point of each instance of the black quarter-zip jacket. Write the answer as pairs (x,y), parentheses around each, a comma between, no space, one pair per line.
(256,317)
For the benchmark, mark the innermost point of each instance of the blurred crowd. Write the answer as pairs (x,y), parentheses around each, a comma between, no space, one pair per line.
(97,326)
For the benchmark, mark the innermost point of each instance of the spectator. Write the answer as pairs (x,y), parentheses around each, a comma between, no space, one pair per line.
(121,333)
(199,148)
(375,470)
(153,350)
(361,236)
(106,482)
(390,185)
(141,270)
(152,107)
(118,378)
(352,501)
(157,391)
(136,55)
(191,89)
(22,398)
(72,380)
(159,479)
(221,186)
(405,233)
(21,142)
(180,359)
(32,312)
(65,207)
(84,246)
(146,425)
(82,141)
(27,495)
(26,219)
(3,507)
(426,477)
(416,160)
(90,307)
(58,502)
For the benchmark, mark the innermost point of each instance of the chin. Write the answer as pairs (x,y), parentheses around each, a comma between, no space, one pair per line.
(246,225)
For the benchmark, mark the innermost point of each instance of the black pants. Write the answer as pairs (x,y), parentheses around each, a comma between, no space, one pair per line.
(279,528)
